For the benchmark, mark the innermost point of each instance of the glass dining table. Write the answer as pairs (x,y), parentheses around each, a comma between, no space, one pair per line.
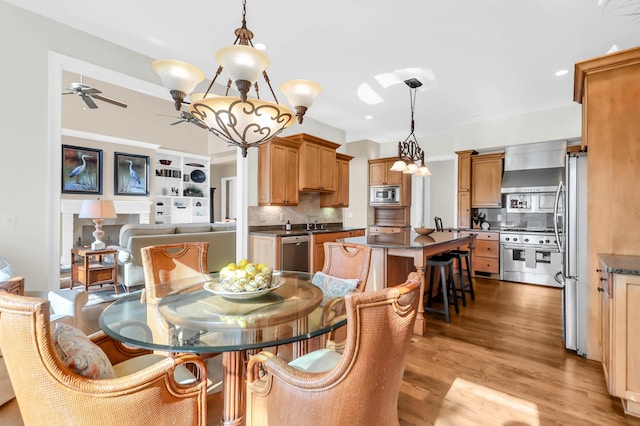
(195,315)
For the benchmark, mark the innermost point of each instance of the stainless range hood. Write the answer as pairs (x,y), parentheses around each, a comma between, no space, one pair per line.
(534,167)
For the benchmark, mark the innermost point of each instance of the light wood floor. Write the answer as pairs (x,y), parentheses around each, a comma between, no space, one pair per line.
(501,361)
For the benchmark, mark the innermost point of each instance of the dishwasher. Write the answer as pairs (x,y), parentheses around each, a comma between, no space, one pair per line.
(294,253)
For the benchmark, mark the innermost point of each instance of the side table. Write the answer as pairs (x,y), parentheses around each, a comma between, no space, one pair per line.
(92,267)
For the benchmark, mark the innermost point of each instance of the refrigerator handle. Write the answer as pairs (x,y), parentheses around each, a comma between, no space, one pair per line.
(555,216)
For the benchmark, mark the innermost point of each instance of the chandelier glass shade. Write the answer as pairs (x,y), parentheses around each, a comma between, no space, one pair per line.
(243,121)
(409,152)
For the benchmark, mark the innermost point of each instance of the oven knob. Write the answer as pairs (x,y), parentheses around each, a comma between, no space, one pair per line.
(542,241)
(506,239)
(526,240)
(515,238)
(547,241)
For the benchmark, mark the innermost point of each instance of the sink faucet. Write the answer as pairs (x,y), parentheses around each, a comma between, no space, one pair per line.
(308,225)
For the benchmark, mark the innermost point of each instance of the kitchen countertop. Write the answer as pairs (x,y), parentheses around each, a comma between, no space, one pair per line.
(621,264)
(407,239)
(296,232)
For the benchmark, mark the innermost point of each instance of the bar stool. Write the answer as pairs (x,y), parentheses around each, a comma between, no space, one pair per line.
(445,263)
(464,287)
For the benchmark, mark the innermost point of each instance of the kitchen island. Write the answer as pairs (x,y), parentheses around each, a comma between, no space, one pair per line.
(394,255)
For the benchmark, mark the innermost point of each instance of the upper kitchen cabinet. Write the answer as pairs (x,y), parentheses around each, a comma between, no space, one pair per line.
(609,89)
(486,179)
(379,173)
(339,198)
(317,163)
(464,188)
(278,173)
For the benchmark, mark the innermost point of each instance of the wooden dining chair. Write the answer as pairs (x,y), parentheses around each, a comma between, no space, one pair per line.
(359,386)
(172,263)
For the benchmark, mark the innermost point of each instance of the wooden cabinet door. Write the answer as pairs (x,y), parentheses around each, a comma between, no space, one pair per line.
(464,210)
(464,170)
(393,178)
(377,174)
(605,327)
(278,173)
(328,169)
(310,167)
(339,198)
(486,180)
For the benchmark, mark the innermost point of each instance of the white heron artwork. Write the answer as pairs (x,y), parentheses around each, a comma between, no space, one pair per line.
(81,169)
(131,174)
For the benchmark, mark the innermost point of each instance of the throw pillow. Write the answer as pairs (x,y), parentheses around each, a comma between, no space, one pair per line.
(80,354)
(6,271)
(333,286)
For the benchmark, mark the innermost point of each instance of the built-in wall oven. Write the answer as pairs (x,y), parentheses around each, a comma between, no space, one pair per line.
(530,257)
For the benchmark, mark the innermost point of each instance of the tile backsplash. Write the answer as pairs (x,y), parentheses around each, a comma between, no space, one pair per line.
(308,205)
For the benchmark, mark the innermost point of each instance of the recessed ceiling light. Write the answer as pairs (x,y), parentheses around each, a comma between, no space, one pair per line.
(561,72)
(368,95)
(368,117)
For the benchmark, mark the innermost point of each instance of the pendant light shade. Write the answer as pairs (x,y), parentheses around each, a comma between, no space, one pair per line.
(242,62)
(300,94)
(179,77)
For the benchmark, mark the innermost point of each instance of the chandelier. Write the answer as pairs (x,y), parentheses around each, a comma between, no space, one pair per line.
(240,121)
(409,152)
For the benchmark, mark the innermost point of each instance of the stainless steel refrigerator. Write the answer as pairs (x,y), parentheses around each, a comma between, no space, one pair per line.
(571,225)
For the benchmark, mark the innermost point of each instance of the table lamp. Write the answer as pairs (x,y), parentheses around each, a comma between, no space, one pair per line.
(98,210)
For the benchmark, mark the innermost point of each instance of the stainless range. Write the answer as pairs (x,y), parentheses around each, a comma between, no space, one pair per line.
(530,256)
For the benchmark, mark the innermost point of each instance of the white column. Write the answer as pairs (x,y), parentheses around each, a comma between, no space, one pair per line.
(242,204)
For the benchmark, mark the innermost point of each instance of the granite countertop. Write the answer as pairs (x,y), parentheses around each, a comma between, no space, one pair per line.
(301,231)
(621,264)
(407,239)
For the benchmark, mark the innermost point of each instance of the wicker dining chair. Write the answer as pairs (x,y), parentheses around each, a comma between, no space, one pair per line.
(172,262)
(345,261)
(144,391)
(359,386)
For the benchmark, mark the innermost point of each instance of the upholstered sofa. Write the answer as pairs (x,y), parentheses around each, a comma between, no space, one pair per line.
(66,307)
(133,237)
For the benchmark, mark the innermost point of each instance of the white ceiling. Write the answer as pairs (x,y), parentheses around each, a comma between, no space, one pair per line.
(487,58)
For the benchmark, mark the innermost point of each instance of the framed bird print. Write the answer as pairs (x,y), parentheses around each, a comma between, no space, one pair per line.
(131,174)
(81,170)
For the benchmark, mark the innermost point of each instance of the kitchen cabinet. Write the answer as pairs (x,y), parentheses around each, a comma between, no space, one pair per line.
(464,188)
(265,249)
(316,259)
(181,187)
(379,174)
(339,198)
(317,163)
(608,87)
(485,260)
(486,180)
(619,336)
(278,173)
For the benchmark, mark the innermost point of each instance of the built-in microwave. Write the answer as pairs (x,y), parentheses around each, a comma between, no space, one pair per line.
(384,195)
(542,202)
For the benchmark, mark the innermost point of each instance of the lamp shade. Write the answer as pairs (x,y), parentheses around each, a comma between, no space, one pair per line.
(177,75)
(97,209)
(300,92)
(412,168)
(242,62)
(399,166)
(252,122)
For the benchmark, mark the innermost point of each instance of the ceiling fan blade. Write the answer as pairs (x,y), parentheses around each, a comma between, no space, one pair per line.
(177,122)
(87,100)
(90,91)
(111,101)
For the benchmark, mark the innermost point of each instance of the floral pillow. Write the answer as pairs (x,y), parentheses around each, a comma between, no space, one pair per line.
(333,286)
(80,354)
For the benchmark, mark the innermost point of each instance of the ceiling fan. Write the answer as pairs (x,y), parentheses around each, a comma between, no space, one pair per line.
(88,94)
(187,117)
